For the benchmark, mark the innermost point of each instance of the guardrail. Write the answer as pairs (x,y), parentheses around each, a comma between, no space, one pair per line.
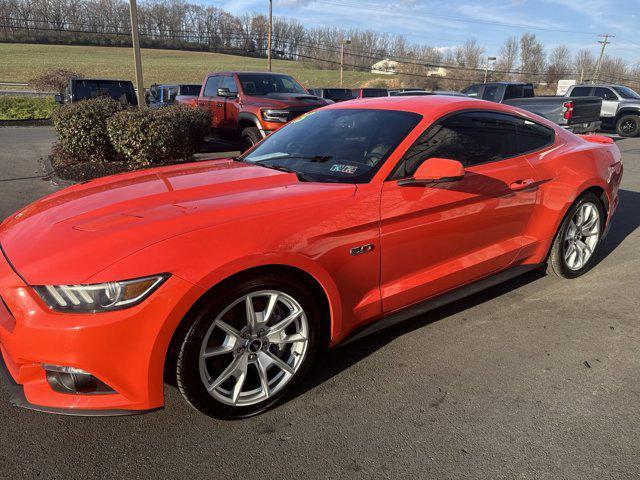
(13,84)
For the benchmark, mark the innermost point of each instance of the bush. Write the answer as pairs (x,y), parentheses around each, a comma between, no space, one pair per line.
(82,129)
(25,108)
(56,80)
(155,137)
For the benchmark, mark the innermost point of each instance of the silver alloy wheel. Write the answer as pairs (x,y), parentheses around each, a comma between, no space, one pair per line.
(582,236)
(250,353)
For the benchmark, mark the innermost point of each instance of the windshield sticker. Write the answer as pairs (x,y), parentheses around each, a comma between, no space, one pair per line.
(350,169)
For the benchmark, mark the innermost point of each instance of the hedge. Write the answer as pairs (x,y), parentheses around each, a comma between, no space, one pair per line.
(106,130)
(154,137)
(82,129)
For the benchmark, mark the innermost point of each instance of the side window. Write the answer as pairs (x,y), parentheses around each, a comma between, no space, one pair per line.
(580,92)
(472,90)
(230,83)
(211,87)
(527,91)
(513,91)
(471,138)
(490,93)
(533,136)
(605,93)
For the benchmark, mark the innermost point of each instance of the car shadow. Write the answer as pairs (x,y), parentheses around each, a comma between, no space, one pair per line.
(214,144)
(626,221)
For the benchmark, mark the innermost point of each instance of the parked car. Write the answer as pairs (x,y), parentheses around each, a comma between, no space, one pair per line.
(333,94)
(86,88)
(163,95)
(369,92)
(410,93)
(396,91)
(620,106)
(250,105)
(231,275)
(578,114)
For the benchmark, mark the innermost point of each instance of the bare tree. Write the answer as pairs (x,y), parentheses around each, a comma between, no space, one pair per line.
(532,58)
(559,65)
(583,63)
(507,59)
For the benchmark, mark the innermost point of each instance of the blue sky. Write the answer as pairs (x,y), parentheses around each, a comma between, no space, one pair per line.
(415,19)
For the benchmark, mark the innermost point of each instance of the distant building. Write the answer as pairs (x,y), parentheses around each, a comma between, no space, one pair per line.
(385,67)
(437,72)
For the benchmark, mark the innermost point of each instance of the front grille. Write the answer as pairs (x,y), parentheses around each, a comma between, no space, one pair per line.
(296,113)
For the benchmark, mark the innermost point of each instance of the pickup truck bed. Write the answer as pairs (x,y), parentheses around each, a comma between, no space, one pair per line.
(585,111)
(577,114)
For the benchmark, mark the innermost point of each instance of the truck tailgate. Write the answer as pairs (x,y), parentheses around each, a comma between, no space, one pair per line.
(585,109)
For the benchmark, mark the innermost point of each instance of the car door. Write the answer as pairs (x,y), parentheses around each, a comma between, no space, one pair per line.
(435,238)
(229,106)
(609,101)
(208,98)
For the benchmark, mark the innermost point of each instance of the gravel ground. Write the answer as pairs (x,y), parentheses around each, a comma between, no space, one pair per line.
(533,379)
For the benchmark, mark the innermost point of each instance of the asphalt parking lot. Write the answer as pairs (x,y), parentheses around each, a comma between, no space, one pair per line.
(534,379)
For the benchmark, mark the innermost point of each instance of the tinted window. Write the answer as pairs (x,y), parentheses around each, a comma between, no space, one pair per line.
(338,94)
(230,83)
(374,92)
(580,92)
(265,83)
(532,136)
(471,138)
(336,145)
(513,91)
(211,87)
(190,90)
(122,91)
(472,90)
(626,92)
(490,93)
(605,93)
(527,91)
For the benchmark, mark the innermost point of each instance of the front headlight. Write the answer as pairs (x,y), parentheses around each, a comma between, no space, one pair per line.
(275,115)
(100,297)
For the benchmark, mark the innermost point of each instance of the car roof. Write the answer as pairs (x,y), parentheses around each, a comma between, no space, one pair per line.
(239,72)
(432,107)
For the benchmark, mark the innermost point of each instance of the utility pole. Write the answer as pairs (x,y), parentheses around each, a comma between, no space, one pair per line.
(604,43)
(342,44)
(269,34)
(135,41)
(486,67)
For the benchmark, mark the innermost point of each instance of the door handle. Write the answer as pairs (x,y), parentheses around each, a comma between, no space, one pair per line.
(521,184)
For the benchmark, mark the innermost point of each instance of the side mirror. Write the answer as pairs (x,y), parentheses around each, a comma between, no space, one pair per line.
(225,92)
(58,98)
(435,170)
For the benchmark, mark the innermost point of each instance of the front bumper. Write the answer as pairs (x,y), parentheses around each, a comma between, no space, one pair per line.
(124,349)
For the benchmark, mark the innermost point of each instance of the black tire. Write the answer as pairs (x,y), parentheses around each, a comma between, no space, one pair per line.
(628,126)
(188,377)
(249,137)
(556,263)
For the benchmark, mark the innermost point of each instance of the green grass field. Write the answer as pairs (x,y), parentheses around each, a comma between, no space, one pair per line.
(22,62)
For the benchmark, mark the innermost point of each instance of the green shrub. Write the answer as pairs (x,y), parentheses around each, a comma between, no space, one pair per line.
(82,129)
(154,137)
(25,108)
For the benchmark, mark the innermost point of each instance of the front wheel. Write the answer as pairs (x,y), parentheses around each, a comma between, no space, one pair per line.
(248,347)
(578,239)
(628,126)
(249,137)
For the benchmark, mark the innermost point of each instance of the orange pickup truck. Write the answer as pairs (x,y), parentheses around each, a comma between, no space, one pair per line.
(248,106)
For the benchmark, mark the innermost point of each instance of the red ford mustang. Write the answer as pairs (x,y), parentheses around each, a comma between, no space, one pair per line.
(231,275)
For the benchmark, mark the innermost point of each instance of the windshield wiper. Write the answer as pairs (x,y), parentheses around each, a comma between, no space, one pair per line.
(311,158)
(301,176)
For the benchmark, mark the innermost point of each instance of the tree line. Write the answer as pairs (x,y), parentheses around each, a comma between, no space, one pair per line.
(182,25)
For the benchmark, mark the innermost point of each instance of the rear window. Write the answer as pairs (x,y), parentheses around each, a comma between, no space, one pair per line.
(190,90)
(338,94)
(580,92)
(122,91)
(374,92)
(490,93)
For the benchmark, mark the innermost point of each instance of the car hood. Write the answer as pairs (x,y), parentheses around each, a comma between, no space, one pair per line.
(287,100)
(69,236)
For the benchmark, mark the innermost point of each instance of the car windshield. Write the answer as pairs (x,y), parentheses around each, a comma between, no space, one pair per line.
(626,92)
(264,84)
(335,145)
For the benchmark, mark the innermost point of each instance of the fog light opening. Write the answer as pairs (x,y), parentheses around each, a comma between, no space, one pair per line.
(72,380)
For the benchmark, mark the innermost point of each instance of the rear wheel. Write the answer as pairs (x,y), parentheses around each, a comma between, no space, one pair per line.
(628,126)
(578,239)
(249,137)
(248,347)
